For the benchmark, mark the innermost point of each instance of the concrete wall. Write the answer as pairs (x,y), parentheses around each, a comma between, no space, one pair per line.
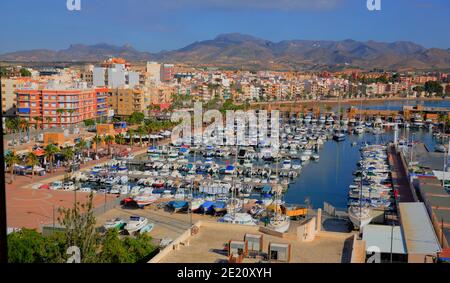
(358,251)
(306,232)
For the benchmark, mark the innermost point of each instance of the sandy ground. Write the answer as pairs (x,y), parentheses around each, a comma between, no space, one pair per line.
(207,245)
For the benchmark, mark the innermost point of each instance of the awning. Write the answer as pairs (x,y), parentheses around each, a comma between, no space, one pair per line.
(39,152)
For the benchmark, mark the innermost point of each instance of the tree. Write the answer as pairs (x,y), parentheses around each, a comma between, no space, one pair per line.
(48,120)
(11,159)
(81,146)
(29,246)
(89,123)
(60,112)
(50,151)
(119,139)
(109,140)
(129,250)
(68,154)
(12,126)
(97,140)
(141,131)
(24,126)
(32,160)
(39,119)
(25,72)
(113,249)
(131,135)
(136,118)
(434,87)
(79,223)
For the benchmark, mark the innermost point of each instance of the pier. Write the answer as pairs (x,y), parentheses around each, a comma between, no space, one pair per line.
(400,177)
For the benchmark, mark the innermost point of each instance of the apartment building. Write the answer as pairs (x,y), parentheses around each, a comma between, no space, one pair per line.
(42,107)
(9,100)
(115,74)
(167,72)
(126,101)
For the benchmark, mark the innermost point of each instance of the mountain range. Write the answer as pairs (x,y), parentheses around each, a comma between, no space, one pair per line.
(244,51)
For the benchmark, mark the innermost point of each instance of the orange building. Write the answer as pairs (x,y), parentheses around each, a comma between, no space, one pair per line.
(48,108)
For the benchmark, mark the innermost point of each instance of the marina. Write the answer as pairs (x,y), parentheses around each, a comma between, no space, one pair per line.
(250,184)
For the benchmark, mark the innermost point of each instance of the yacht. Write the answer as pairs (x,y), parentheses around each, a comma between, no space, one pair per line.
(279,223)
(359,130)
(360,216)
(339,136)
(418,121)
(287,164)
(135,224)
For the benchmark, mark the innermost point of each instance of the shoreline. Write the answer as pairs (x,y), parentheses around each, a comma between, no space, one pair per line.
(350,101)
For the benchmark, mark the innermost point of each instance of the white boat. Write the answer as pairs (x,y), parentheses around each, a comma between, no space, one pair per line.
(114,223)
(135,224)
(359,130)
(196,203)
(287,164)
(145,199)
(239,218)
(279,223)
(360,216)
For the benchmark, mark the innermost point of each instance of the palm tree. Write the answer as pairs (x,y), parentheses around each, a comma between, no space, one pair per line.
(50,151)
(23,126)
(36,119)
(68,154)
(60,112)
(131,134)
(12,125)
(109,140)
(48,120)
(141,131)
(32,160)
(81,146)
(11,159)
(71,111)
(119,139)
(97,140)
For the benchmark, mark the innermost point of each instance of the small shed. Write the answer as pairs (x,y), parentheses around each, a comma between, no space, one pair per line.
(254,242)
(279,252)
(237,248)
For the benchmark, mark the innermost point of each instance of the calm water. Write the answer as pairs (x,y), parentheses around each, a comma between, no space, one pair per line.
(328,179)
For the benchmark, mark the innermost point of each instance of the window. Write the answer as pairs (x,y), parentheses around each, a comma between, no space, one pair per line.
(33,104)
(45,96)
(53,97)
(46,112)
(53,104)
(45,104)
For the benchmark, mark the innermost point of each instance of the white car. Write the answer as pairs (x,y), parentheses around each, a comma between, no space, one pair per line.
(57,185)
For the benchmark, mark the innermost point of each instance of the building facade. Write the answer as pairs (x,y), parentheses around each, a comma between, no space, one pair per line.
(47,108)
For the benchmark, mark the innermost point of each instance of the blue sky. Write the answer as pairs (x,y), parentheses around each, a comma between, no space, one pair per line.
(154,25)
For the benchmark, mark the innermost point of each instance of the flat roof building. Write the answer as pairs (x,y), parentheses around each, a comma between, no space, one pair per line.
(418,232)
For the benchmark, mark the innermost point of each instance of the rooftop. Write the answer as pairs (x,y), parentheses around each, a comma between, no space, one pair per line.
(417,229)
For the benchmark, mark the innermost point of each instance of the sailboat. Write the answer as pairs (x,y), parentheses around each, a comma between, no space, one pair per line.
(338,134)
(360,216)
(278,222)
